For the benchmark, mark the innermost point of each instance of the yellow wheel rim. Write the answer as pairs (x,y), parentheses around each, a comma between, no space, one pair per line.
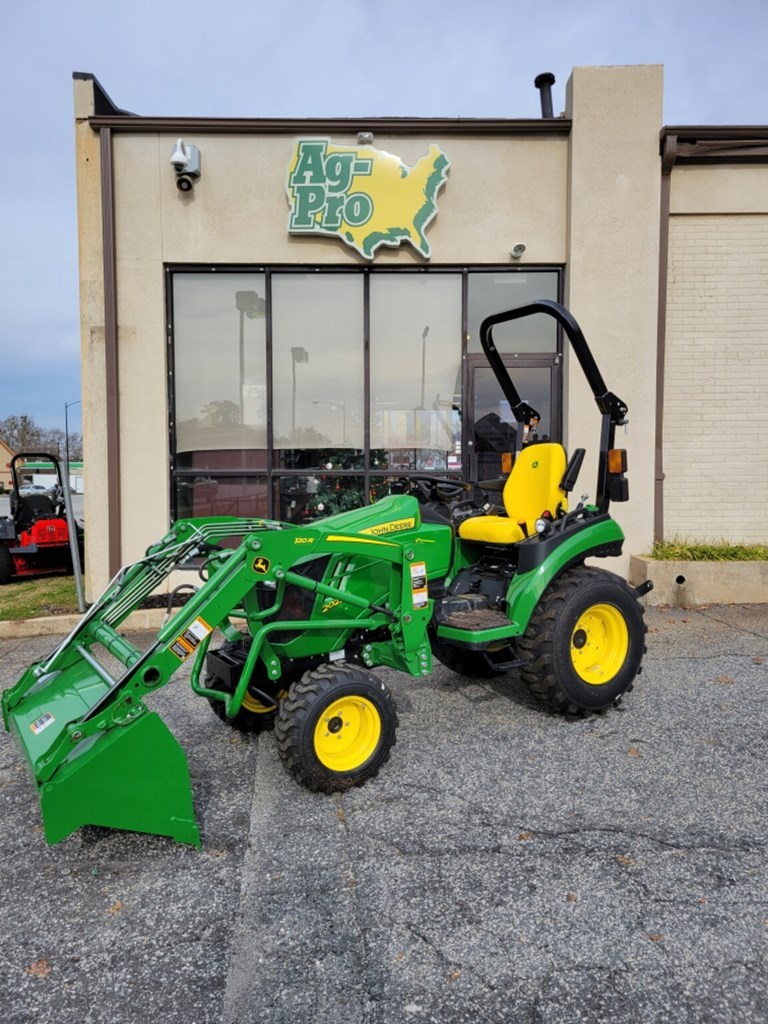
(347,734)
(599,644)
(251,704)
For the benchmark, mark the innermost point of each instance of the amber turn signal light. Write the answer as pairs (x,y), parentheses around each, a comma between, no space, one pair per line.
(617,461)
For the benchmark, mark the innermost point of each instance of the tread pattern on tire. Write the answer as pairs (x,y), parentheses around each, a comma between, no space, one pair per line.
(244,721)
(6,565)
(295,711)
(537,644)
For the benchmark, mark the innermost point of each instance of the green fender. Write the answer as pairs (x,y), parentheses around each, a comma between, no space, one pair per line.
(525,590)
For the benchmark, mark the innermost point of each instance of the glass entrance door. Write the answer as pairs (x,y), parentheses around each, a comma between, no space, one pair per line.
(492,430)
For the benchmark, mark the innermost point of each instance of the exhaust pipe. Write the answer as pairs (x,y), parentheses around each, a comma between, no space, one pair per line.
(544,83)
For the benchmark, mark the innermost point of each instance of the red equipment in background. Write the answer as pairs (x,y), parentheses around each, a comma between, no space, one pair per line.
(34,539)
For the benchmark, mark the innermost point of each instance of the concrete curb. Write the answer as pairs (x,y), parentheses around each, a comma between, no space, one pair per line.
(695,584)
(60,625)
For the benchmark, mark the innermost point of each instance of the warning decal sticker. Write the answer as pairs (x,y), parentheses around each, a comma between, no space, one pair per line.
(185,644)
(42,723)
(419,584)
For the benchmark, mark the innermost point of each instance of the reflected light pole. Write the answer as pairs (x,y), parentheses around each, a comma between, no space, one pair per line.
(343,407)
(298,355)
(253,306)
(424,334)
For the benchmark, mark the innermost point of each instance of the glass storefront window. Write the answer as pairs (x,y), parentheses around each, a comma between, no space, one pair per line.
(297,446)
(415,369)
(493,292)
(317,331)
(211,495)
(220,367)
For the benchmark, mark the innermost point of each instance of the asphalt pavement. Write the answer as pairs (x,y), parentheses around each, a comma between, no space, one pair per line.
(507,865)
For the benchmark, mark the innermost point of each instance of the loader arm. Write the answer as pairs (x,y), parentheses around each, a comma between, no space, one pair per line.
(97,752)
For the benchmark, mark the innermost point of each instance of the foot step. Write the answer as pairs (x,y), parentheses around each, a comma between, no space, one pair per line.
(475,619)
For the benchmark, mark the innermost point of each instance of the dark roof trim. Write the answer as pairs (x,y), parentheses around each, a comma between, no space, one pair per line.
(718,143)
(103,104)
(346,125)
(710,132)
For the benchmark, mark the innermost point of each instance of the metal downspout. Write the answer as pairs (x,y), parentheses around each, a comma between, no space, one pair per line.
(110,351)
(667,163)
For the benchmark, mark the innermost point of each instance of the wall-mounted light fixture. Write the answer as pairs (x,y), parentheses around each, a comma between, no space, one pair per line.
(185,161)
(517,251)
(365,138)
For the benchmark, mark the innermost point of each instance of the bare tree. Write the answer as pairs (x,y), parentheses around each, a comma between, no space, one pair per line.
(22,434)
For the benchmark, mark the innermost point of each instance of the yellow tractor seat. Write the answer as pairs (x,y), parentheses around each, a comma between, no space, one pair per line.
(532,488)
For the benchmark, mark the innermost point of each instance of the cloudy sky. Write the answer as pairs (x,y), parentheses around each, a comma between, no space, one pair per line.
(302,58)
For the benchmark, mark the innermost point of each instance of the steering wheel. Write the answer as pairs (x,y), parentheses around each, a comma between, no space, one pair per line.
(435,488)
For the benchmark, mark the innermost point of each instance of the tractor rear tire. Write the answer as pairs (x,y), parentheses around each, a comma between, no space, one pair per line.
(585,642)
(6,565)
(336,727)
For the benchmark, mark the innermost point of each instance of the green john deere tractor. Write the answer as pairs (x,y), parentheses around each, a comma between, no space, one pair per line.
(304,615)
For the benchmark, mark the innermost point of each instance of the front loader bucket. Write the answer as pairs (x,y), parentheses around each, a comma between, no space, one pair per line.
(98,755)
(132,775)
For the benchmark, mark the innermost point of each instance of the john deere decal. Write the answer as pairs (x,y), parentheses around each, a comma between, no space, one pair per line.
(364,196)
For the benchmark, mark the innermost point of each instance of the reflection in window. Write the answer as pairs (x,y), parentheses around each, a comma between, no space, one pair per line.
(209,495)
(220,361)
(318,365)
(416,369)
(495,292)
(311,326)
(302,499)
(495,428)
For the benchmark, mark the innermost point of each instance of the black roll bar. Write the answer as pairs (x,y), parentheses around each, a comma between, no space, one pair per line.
(613,410)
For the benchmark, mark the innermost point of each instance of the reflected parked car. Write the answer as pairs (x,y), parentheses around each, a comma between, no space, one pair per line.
(34,489)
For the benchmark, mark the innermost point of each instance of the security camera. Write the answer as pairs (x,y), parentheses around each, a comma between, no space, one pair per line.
(185,161)
(517,251)
(180,157)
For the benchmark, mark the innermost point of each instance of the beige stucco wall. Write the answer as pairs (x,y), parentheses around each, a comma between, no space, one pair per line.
(716,364)
(500,192)
(719,188)
(612,273)
(591,201)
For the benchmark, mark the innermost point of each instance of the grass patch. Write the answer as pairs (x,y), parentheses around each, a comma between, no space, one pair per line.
(716,551)
(31,599)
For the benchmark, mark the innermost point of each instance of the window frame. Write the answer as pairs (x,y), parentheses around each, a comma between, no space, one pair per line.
(272,473)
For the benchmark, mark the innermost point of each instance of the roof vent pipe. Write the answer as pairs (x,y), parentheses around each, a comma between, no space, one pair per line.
(544,83)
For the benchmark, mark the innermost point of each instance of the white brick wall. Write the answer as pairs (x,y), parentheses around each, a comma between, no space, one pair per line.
(716,379)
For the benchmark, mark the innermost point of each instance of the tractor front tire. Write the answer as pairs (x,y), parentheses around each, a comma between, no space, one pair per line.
(336,727)
(254,715)
(6,565)
(585,642)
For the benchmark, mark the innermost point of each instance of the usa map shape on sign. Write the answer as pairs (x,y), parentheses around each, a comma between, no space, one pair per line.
(362,195)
